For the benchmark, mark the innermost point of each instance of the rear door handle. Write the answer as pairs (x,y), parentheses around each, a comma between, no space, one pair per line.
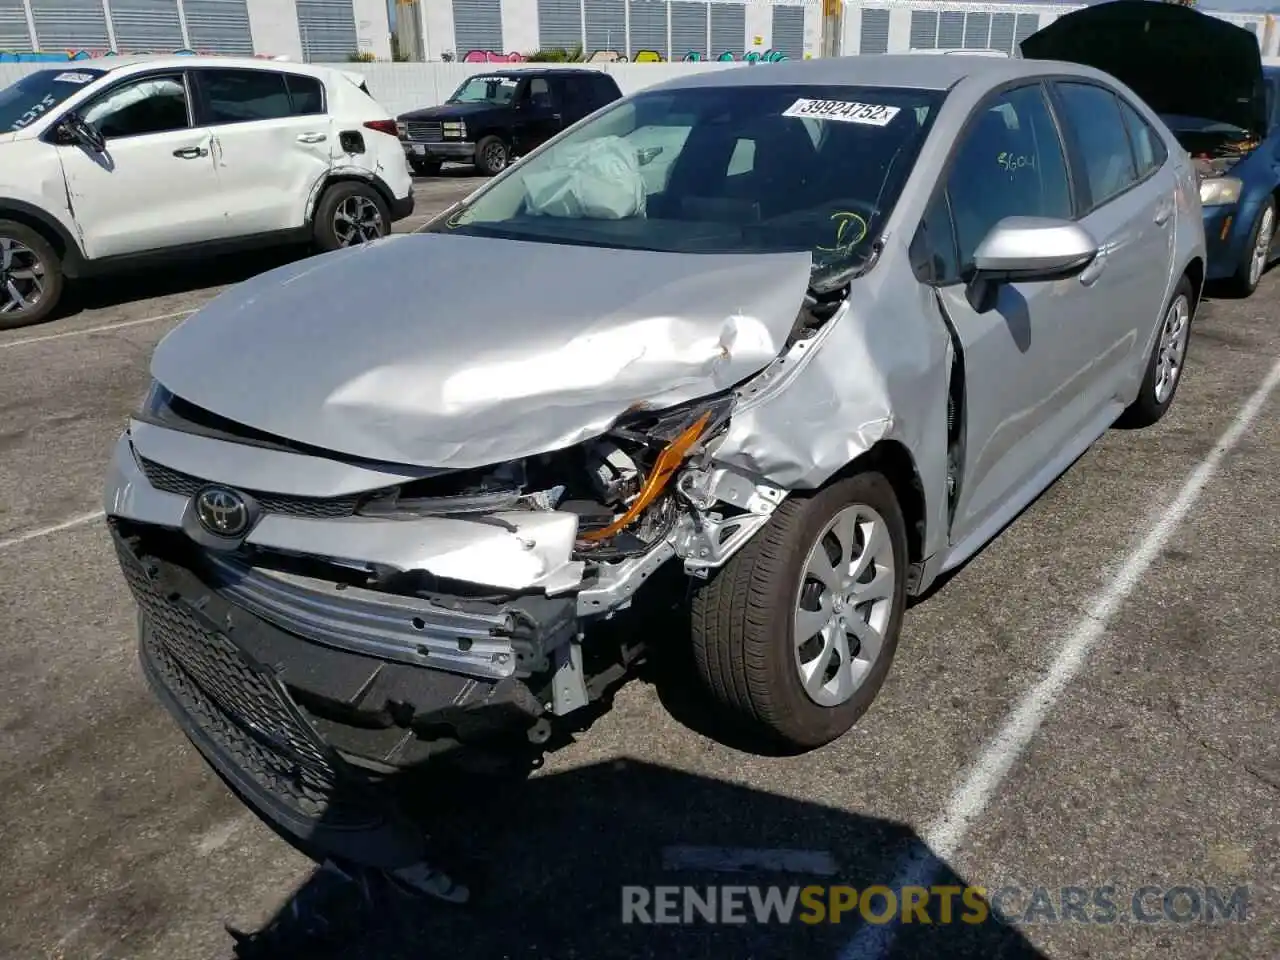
(312,137)
(1163,213)
(1089,276)
(191,153)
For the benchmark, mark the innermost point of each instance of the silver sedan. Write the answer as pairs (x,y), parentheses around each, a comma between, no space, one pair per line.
(794,341)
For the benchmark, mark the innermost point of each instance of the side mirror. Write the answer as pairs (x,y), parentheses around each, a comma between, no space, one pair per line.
(75,129)
(1028,249)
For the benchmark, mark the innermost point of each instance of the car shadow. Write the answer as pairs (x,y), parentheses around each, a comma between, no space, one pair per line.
(166,278)
(548,863)
(459,171)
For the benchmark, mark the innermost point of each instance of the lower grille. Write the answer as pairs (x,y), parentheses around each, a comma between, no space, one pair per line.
(315,508)
(244,713)
(424,131)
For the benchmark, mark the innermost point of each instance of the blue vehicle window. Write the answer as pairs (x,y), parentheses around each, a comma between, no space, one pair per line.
(1010,163)
(1094,115)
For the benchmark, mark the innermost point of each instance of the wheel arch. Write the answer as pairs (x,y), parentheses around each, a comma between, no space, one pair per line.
(892,459)
(63,243)
(346,176)
(1195,272)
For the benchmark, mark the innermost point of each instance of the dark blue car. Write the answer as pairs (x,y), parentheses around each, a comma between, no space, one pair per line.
(1205,78)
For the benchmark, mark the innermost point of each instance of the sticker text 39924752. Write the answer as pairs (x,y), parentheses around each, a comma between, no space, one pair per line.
(845,111)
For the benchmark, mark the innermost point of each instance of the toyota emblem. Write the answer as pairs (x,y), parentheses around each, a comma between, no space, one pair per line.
(222,512)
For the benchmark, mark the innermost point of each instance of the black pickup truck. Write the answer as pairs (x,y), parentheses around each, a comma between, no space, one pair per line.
(494,117)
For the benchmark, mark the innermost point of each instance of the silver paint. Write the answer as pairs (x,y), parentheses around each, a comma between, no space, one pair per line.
(453,351)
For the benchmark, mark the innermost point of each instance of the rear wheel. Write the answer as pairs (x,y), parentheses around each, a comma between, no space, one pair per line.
(350,214)
(796,633)
(30,276)
(1164,366)
(1258,252)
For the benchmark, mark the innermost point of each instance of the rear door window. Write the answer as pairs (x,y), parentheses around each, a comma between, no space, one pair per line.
(306,95)
(242,96)
(1148,147)
(1092,115)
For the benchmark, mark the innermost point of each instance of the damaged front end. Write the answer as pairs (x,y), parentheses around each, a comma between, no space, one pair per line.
(373,617)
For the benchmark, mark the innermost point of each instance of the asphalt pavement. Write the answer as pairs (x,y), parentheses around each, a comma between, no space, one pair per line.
(1092,702)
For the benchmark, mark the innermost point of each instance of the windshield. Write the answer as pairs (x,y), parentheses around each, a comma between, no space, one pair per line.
(26,101)
(751,169)
(499,90)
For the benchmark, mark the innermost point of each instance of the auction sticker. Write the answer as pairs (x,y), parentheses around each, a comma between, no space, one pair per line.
(846,111)
(73,78)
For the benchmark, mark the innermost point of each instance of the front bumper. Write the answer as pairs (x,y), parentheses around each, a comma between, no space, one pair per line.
(461,150)
(303,731)
(1227,232)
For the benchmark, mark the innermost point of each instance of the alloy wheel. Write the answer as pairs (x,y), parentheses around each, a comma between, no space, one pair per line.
(357,220)
(22,276)
(495,156)
(1172,348)
(845,604)
(1262,245)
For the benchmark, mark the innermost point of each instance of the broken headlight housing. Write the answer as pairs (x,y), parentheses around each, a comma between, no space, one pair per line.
(619,484)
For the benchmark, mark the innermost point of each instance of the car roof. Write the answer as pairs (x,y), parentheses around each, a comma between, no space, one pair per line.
(912,71)
(175,61)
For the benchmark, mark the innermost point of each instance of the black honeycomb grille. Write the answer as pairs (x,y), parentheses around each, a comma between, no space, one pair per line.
(244,714)
(315,508)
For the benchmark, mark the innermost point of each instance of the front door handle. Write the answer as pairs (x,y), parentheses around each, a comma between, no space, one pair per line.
(312,138)
(1089,276)
(191,153)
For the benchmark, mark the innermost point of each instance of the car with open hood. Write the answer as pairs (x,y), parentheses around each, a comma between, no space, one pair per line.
(1205,78)
(780,347)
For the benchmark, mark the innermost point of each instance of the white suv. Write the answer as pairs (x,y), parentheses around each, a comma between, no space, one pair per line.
(103,165)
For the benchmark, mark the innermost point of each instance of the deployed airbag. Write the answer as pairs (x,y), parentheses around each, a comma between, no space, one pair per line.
(598,180)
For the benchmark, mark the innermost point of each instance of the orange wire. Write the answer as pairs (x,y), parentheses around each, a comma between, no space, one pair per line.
(664,469)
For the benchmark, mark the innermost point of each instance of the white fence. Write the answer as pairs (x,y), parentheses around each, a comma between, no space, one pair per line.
(406,86)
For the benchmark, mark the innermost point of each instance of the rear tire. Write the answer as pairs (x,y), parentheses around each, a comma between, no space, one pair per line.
(492,156)
(350,214)
(1166,362)
(31,278)
(747,618)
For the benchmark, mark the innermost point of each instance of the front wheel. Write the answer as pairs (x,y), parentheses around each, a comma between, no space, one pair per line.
(1258,252)
(30,276)
(350,214)
(796,633)
(492,156)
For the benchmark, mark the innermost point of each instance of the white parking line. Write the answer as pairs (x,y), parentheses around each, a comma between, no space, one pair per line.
(104,328)
(944,837)
(39,532)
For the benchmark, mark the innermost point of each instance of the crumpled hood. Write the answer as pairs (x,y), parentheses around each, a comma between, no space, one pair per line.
(1178,60)
(442,350)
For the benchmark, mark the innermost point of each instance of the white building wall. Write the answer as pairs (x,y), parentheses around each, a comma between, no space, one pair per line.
(373,27)
(274,25)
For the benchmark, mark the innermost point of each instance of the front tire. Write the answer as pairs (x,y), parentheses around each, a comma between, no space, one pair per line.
(31,277)
(492,156)
(1257,253)
(796,633)
(350,214)
(1166,362)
